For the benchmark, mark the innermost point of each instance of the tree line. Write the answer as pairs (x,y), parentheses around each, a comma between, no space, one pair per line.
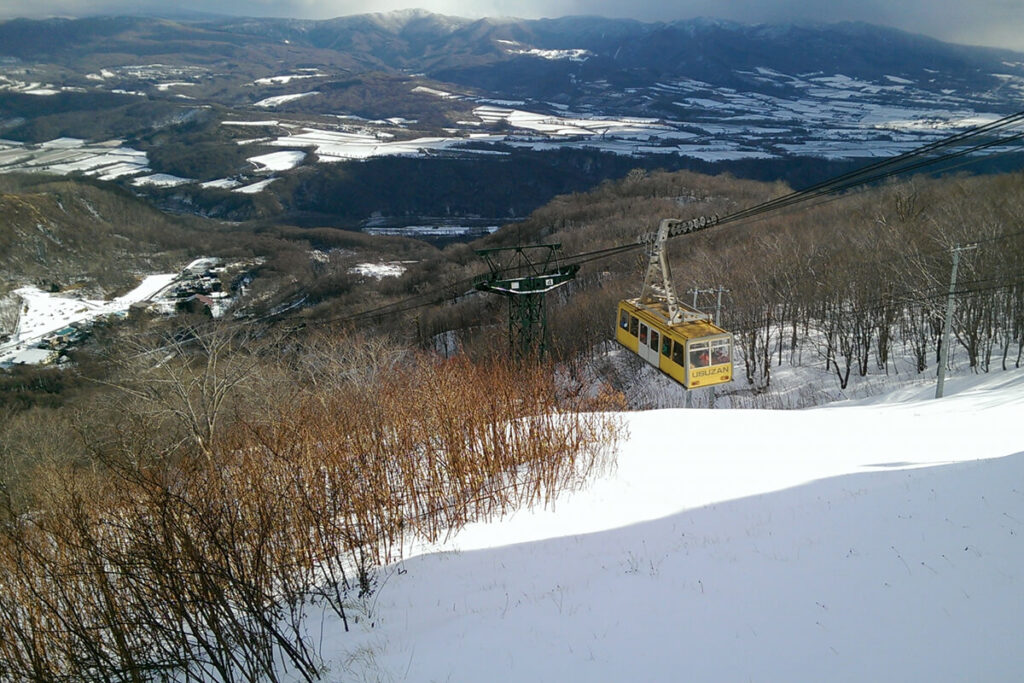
(846,283)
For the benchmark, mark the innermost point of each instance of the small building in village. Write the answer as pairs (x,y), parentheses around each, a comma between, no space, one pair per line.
(33,356)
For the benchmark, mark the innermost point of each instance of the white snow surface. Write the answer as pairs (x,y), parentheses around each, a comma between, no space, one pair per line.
(287,78)
(250,123)
(161,180)
(278,100)
(876,541)
(378,270)
(254,188)
(278,161)
(221,183)
(106,160)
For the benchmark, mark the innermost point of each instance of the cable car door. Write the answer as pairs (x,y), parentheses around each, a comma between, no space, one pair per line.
(648,346)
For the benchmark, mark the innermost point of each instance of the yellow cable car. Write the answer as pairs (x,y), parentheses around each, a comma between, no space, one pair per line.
(680,341)
(696,354)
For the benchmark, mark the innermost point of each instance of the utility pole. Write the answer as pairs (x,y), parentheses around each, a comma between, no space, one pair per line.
(944,351)
(718,307)
(696,290)
(718,323)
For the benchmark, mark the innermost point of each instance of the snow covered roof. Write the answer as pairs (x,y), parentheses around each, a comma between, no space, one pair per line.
(32,357)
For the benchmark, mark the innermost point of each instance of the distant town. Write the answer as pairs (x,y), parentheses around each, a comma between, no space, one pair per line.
(51,323)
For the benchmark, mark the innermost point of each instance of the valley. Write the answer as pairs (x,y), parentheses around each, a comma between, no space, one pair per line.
(214,133)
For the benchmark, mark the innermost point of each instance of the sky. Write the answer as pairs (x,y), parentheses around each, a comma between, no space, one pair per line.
(996,23)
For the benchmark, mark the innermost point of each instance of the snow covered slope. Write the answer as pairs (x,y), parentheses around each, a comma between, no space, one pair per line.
(880,542)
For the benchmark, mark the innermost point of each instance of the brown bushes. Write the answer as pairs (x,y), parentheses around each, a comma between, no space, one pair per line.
(206,564)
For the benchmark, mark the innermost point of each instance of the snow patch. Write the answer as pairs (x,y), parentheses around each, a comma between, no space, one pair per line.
(249,123)
(43,313)
(278,161)
(436,93)
(378,270)
(221,183)
(287,78)
(278,100)
(254,187)
(161,180)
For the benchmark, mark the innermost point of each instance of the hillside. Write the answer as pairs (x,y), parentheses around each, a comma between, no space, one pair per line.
(736,545)
(246,431)
(57,234)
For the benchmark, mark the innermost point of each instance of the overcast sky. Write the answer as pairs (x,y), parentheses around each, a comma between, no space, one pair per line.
(998,23)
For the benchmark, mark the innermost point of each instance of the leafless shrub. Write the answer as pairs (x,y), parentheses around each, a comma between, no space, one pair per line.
(206,523)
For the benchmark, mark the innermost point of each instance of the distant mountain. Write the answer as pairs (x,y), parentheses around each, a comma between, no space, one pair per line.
(524,54)
(230,106)
(416,40)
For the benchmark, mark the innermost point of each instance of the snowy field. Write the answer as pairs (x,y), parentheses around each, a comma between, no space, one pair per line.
(815,115)
(161,180)
(288,78)
(278,100)
(876,541)
(105,160)
(440,230)
(834,117)
(277,161)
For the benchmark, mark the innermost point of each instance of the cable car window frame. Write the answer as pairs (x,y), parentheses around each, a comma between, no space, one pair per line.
(624,320)
(634,325)
(696,349)
(678,353)
(717,355)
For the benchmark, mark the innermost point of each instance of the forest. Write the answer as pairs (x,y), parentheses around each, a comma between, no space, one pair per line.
(850,278)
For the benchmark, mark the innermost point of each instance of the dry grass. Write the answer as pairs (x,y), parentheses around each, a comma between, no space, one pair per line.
(203,562)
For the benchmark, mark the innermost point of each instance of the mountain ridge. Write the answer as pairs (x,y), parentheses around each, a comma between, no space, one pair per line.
(570,93)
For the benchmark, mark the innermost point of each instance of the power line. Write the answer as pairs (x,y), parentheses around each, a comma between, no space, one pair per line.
(875,172)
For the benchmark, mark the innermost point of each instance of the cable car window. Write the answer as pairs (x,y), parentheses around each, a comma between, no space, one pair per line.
(624,320)
(666,346)
(654,340)
(699,357)
(643,334)
(677,354)
(720,352)
(633,324)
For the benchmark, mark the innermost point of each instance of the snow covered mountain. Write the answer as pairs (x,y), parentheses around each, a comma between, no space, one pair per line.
(764,101)
(738,545)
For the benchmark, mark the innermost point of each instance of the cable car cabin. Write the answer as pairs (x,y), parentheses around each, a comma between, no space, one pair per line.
(696,354)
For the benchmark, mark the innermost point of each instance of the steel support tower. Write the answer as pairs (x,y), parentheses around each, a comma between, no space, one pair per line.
(524,275)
